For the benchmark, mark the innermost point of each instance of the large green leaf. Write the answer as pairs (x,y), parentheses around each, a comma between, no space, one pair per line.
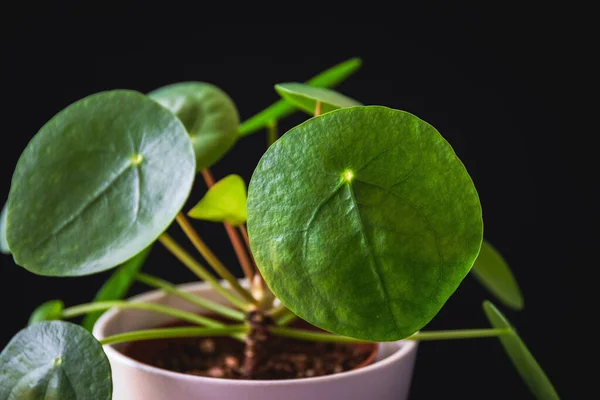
(527,366)
(306,97)
(363,221)
(54,361)
(98,184)
(50,310)
(117,286)
(209,115)
(224,202)
(3,243)
(493,272)
(281,109)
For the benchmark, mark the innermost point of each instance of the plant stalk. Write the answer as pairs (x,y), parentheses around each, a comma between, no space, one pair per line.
(199,270)
(173,333)
(212,259)
(196,300)
(271,133)
(256,338)
(318,107)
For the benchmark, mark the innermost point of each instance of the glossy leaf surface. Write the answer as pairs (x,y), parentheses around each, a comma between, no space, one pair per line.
(98,184)
(3,243)
(306,97)
(527,366)
(363,221)
(281,109)
(117,286)
(54,361)
(49,311)
(209,115)
(224,202)
(493,272)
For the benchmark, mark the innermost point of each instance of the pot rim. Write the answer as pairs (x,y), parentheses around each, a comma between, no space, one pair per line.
(406,348)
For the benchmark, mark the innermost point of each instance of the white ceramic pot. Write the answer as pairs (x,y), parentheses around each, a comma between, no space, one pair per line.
(388,378)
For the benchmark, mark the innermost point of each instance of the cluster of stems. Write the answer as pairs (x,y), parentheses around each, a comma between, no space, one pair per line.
(253,312)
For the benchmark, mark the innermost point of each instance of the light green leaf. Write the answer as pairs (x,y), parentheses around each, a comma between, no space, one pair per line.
(50,310)
(493,272)
(117,286)
(527,366)
(3,243)
(224,202)
(281,109)
(54,361)
(363,221)
(98,184)
(209,115)
(306,97)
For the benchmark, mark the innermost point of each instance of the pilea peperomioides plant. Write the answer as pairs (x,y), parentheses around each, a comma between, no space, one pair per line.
(365,198)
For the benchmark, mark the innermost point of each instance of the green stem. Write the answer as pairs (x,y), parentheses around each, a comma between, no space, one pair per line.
(82,309)
(314,336)
(212,259)
(286,319)
(272,132)
(173,333)
(196,300)
(277,311)
(199,270)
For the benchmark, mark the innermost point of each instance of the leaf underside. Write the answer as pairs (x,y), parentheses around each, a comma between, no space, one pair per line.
(54,361)
(98,184)
(363,222)
(306,97)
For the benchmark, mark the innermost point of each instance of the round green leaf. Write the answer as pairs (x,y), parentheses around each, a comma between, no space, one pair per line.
(224,202)
(3,243)
(493,272)
(98,184)
(117,286)
(527,366)
(363,221)
(306,97)
(54,360)
(50,310)
(209,115)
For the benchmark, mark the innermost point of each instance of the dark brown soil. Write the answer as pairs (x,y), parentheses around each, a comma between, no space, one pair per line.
(221,357)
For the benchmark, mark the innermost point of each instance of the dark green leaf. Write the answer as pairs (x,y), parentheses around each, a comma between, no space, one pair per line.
(224,202)
(493,272)
(98,184)
(521,357)
(209,115)
(3,243)
(50,310)
(363,221)
(117,286)
(54,361)
(281,109)
(306,97)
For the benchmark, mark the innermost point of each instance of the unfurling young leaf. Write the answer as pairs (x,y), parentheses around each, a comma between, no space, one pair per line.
(281,109)
(363,222)
(224,202)
(54,360)
(3,243)
(527,366)
(117,286)
(306,97)
(98,184)
(209,115)
(493,272)
(49,311)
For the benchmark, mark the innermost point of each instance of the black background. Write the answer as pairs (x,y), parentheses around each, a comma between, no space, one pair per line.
(491,80)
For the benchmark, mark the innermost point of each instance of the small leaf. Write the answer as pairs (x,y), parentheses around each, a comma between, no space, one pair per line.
(521,357)
(306,97)
(98,184)
(50,310)
(209,115)
(493,272)
(224,202)
(363,221)
(281,109)
(117,286)
(54,360)
(3,243)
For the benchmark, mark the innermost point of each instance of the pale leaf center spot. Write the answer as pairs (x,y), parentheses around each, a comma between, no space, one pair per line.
(137,159)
